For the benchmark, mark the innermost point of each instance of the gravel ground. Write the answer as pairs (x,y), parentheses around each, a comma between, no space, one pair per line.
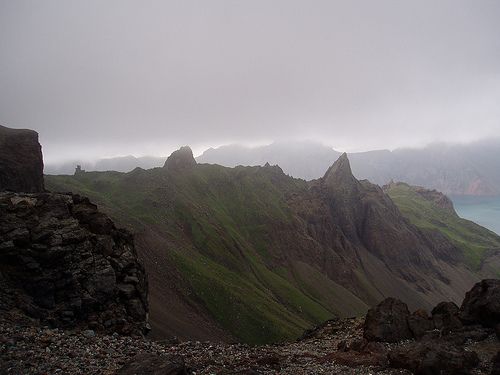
(32,350)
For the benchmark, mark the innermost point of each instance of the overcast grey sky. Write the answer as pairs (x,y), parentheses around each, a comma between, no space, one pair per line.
(102,78)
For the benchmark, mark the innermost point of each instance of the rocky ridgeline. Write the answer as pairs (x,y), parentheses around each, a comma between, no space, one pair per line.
(65,264)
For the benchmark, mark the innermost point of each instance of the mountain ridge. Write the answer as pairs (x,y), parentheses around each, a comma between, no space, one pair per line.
(280,254)
(452,169)
(456,169)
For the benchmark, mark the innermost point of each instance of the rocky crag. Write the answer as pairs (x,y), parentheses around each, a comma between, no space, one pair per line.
(65,264)
(62,262)
(21,163)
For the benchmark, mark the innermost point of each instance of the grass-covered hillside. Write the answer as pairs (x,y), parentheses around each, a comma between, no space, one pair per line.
(421,209)
(263,256)
(217,223)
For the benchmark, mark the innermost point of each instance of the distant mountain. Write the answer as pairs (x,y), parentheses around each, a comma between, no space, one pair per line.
(469,169)
(453,169)
(258,255)
(307,160)
(119,164)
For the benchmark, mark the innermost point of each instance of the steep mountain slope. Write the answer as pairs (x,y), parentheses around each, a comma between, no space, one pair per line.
(263,255)
(432,211)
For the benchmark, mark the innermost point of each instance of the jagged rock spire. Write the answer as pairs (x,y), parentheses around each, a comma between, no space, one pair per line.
(340,172)
(180,159)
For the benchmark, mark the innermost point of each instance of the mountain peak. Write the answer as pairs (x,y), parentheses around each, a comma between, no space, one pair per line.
(180,159)
(340,171)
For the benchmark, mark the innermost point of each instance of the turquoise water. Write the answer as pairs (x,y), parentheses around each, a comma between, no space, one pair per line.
(484,211)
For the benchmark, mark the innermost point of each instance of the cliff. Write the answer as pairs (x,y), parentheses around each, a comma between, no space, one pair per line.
(21,164)
(62,262)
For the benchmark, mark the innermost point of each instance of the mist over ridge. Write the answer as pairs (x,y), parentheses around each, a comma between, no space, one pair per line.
(457,169)
(97,79)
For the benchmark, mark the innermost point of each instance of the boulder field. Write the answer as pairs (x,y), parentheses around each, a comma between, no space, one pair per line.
(451,340)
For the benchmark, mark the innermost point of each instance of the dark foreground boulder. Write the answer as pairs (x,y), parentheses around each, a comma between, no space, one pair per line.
(388,322)
(445,316)
(65,264)
(429,357)
(420,323)
(482,304)
(152,364)
(21,162)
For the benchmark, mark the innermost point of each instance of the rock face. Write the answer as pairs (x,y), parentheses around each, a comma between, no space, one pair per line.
(388,322)
(370,223)
(439,342)
(391,321)
(482,304)
(21,163)
(420,323)
(180,159)
(65,264)
(433,357)
(445,316)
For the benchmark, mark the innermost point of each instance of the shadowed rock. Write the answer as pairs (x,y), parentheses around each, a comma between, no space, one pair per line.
(482,304)
(65,264)
(445,316)
(420,323)
(21,163)
(433,357)
(388,322)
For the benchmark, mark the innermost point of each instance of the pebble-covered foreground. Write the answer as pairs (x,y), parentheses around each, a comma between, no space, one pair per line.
(30,350)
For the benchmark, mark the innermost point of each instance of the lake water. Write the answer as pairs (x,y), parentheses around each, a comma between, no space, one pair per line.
(484,211)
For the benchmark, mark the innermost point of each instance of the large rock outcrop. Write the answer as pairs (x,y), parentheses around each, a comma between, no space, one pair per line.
(65,264)
(180,159)
(439,342)
(21,163)
(434,357)
(482,304)
(388,321)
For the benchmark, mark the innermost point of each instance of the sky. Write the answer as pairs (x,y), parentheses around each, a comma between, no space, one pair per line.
(116,77)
